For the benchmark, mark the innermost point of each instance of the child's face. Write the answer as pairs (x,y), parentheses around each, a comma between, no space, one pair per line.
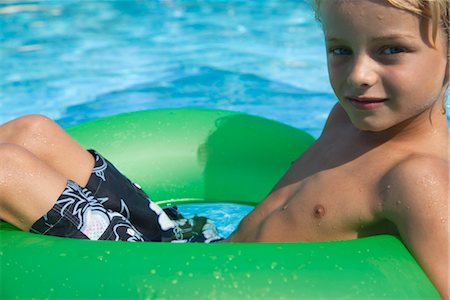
(382,63)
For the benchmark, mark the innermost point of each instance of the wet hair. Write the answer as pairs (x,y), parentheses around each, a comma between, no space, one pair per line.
(438,11)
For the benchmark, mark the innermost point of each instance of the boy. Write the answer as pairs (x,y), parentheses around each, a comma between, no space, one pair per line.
(381,165)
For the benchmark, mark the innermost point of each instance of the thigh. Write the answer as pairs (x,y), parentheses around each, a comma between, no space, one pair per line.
(51,144)
(29,187)
(117,193)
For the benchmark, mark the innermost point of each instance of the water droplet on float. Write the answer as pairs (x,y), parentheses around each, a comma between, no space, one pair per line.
(217,274)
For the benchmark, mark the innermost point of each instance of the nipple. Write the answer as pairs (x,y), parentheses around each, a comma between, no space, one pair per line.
(319,211)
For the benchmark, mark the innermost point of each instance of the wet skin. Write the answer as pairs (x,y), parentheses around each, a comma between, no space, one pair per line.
(381,164)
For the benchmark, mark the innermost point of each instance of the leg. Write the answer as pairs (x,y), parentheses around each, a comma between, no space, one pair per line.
(28,187)
(57,152)
(117,193)
(51,144)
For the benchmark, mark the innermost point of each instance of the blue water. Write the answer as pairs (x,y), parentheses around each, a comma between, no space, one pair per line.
(76,60)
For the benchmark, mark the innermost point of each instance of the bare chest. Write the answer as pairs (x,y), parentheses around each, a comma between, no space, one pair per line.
(329,204)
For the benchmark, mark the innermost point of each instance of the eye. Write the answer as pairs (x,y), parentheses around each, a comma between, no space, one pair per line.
(392,50)
(340,51)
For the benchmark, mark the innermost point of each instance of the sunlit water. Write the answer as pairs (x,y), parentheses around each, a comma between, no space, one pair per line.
(77,60)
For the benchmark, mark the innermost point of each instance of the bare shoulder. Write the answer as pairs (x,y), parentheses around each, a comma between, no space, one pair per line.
(416,201)
(417,197)
(416,182)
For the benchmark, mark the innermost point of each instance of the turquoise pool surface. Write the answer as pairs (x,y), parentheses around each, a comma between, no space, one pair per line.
(77,60)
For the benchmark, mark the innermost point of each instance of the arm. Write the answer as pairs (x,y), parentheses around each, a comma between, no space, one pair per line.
(418,203)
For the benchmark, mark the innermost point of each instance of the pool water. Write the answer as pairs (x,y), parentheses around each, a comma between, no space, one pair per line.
(77,60)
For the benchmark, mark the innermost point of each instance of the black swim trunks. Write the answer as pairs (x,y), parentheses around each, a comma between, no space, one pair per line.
(111,207)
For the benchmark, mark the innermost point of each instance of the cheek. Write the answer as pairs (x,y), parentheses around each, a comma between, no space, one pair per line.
(336,76)
(426,81)
(430,73)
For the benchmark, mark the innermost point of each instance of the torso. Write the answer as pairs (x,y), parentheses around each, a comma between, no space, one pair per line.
(325,198)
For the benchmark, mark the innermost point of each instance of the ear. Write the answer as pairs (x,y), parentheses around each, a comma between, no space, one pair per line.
(446,82)
(447,67)
(447,71)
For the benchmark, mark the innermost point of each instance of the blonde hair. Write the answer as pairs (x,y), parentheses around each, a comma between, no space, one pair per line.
(437,11)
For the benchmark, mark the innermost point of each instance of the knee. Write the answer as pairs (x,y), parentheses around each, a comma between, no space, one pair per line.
(34,125)
(28,128)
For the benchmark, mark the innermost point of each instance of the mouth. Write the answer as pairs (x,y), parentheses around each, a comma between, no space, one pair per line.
(366,103)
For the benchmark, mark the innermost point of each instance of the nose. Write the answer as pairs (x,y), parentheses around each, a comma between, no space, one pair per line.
(362,73)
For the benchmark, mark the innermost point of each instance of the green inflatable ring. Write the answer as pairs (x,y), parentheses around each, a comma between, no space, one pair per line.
(193,155)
